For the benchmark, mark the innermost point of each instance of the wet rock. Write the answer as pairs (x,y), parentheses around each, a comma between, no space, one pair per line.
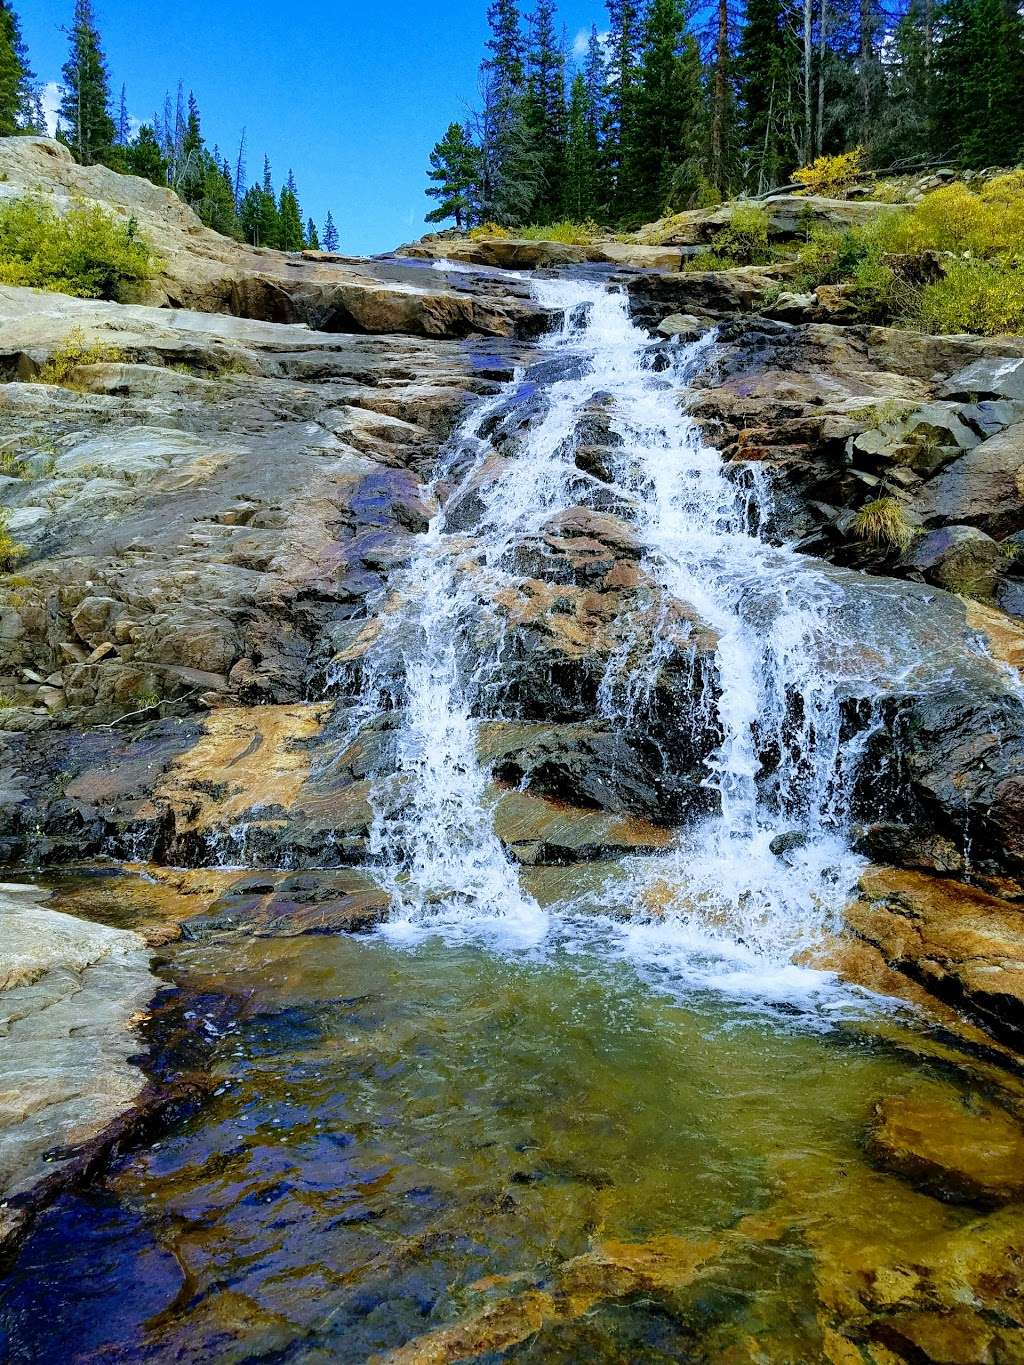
(967,1152)
(961,559)
(962,944)
(990,378)
(624,770)
(682,327)
(982,488)
(69,994)
(537,830)
(289,906)
(791,842)
(703,293)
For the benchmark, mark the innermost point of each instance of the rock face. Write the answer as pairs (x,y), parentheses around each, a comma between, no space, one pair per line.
(69,991)
(971,1155)
(963,944)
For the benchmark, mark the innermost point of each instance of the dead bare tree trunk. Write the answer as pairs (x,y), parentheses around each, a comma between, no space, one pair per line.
(720,98)
(808,138)
(819,133)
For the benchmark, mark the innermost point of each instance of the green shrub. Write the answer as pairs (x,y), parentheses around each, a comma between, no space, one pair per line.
(86,252)
(975,296)
(745,238)
(10,551)
(73,352)
(568,232)
(709,260)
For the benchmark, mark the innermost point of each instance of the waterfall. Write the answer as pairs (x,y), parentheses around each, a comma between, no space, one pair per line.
(767,873)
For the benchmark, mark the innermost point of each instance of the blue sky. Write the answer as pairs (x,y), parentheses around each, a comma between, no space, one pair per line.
(350,95)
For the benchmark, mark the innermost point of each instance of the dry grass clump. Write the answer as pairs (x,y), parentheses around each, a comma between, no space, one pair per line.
(884,523)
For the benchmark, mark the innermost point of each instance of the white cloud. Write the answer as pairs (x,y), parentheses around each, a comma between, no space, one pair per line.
(50,95)
(582,42)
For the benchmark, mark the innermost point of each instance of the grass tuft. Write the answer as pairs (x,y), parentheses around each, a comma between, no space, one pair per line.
(884,523)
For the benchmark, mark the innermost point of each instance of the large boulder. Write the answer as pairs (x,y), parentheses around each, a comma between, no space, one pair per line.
(788,217)
(961,559)
(983,487)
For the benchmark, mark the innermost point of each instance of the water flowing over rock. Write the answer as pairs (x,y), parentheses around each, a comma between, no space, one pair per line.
(509,706)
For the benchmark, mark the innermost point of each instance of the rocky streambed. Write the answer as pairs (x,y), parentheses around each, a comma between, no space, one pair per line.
(501,864)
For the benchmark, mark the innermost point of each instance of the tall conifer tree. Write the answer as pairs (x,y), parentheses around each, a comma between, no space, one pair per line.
(453,172)
(767,63)
(15,77)
(669,117)
(330,233)
(545,108)
(624,42)
(85,117)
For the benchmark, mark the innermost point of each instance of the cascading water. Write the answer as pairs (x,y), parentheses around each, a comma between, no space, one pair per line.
(793,690)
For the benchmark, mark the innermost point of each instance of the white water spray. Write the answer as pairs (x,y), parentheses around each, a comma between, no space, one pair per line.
(723,907)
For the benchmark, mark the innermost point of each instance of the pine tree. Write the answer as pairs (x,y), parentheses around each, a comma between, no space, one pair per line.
(215,203)
(259,216)
(509,169)
(595,75)
(722,150)
(312,236)
(190,168)
(979,81)
(290,232)
(330,238)
(16,89)
(623,74)
(86,124)
(143,156)
(545,109)
(453,170)
(123,136)
(35,114)
(582,153)
(669,116)
(767,64)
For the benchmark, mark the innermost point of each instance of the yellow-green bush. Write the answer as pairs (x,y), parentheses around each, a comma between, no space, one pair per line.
(568,232)
(10,551)
(488,230)
(745,238)
(830,175)
(954,218)
(73,352)
(982,290)
(975,296)
(86,251)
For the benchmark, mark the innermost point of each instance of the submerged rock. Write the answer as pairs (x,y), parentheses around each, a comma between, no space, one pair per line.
(964,1151)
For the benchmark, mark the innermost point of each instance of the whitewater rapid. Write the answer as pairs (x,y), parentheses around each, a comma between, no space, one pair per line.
(722,908)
